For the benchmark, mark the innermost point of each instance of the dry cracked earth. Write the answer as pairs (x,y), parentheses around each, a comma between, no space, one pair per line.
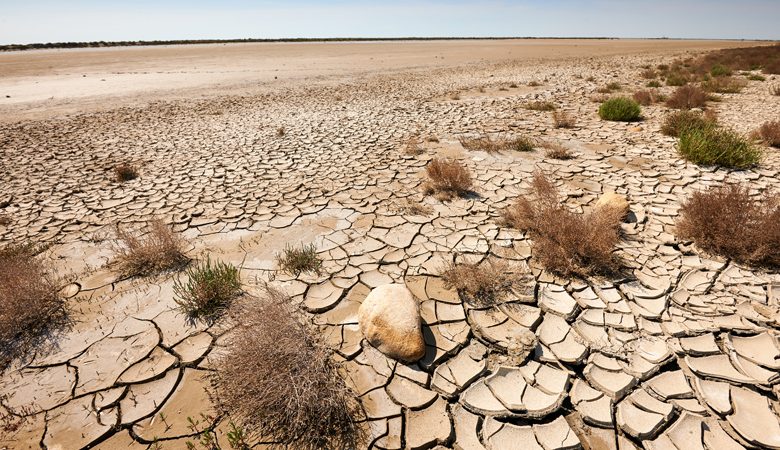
(682,353)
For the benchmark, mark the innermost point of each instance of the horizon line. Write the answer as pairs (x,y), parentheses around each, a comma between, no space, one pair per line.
(156,42)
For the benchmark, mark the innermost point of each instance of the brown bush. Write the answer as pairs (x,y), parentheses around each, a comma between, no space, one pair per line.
(30,305)
(412,146)
(769,133)
(125,172)
(647,97)
(562,119)
(159,250)
(557,151)
(5,219)
(726,220)
(484,283)
(564,242)
(498,143)
(687,97)
(540,106)
(648,74)
(447,179)
(766,57)
(279,382)
(677,122)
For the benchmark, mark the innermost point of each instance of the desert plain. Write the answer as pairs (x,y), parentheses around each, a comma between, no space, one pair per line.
(244,149)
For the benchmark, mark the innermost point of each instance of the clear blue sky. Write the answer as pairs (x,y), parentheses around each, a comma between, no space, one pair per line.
(26,21)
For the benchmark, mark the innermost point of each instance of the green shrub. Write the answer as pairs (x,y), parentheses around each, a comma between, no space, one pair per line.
(719,70)
(209,289)
(718,146)
(676,79)
(620,109)
(654,84)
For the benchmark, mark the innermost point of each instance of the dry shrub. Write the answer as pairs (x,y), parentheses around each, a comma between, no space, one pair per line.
(647,97)
(766,57)
(277,379)
(687,97)
(298,260)
(775,90)
(727,221)
(280,132)
(562,119)
(609,88)
(125,172)
(648,74)
(412,146)
(447,179)
(677,122)
(769,133)
(30,305)
(540,106)
(513,85)
(159,250)
(564,242)
(432,138)
(557,151)
(497,144)
(413,208)
(483,283)
(534,83)
(724,85)
(5,219)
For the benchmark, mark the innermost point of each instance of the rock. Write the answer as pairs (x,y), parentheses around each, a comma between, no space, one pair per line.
(613,200)
(389,318)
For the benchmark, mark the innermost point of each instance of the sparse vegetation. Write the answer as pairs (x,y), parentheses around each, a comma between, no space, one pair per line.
(645,97)
(209,289)
(718,146)
(755,77)
(564,242)
(620,109)
(562,119)
(5,219)
(769,133)
(653,84)
(159,250)
(676,79)
(280,132)
(557,151)
(298,260)
(412,146)
(413,208)
(125,172)
(727,221)
(534,83)
(677,122)
(540,106)
(278,381)
(609,88)
(483,284)
(648,74)
(775,90)
(687,97)
(447,179)
(724,85)
(496,144)
(30,304)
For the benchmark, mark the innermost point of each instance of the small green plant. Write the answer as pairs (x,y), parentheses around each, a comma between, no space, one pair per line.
(541,106)
(298,260)
(620,109)
(676,79)
(718,146)
(719,70)
(756,77)
(679,121)
(653,84)
(209,289)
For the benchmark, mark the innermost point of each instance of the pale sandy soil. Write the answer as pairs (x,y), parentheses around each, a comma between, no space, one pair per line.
(43,83)
(682,353)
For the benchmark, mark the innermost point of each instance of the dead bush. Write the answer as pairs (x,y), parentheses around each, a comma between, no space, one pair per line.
(564,242)
(727,221)
(540,106)
(5,219)
(412,146)
(280,132)
(125,172)
(677,122)
(562,119)
(447,179)
(277,379)
(687,97)
(413,208)
(555,150)
(499,143)
(769,133)
(648,74)
(159,250)
(775,90)
(609,88)
(30,305)
(484,283)
(647,97)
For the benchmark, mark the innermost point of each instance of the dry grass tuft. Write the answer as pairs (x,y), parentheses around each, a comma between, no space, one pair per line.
(769,133)
(562,119)
(209,289)
(540,106)
(484,283)
(413,208)
(648,74)
(609,88)
(5,219)
(447,179)
(775,90)
(557,151)
(432,138)
(687,97)
(412,146)
(125,172)
(564,242)
(298,260)
(534,83)
(30,304)
(277,379)
(280,131)
(677,122)
(497,144)
(724,85)
(726,220)
(647,97)
(158,251)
